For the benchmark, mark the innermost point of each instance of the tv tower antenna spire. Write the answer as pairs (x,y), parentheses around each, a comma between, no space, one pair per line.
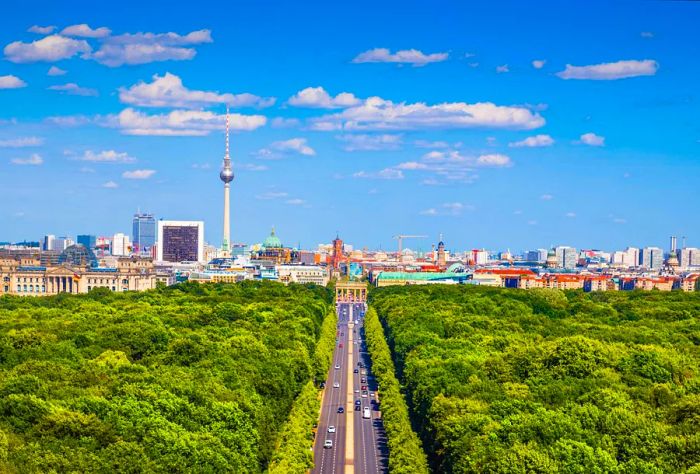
(226,175)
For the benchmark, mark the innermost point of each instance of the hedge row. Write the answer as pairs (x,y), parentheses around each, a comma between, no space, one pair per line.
(294,451)
(405,452)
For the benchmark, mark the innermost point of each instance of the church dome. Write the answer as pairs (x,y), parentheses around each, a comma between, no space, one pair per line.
(272,241)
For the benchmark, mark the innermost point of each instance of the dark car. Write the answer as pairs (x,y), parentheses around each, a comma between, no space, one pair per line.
(341,410)
(355,371)
(358,402)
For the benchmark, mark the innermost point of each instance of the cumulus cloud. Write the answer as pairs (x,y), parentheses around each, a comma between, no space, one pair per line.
(592,139)
(55,71)
(363,142)
(50,48)
(611,71)
(69,120)
(646,34)
(376,113)
(283,122)
(496,160)
(138,174)
(143,48)
(269,195)
(283,148)
(407,56)
(448,209)
(570,215)
(84,31)
(33,159)
(21,142)
(538,63)
(431,144)
(110,185)
(180,122)
(106,156)
(502,69)
(386,173)
(532,142)
(168,91)
(41,30)
(317,97)
(295,202)
(546,197)
(251,167)
(11,82)
(74,89)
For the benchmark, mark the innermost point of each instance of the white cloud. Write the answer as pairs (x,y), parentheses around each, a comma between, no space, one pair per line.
(474,65)
(364,142)
(592,139)
(282,122)
(106,156)
(570,215)
(69,120)
(143,48)
(317,97)
(74,89)
(611,71)
(295,202)
(386,173)
(41,30)
(538,63)
(21,142)
(168,91)
(407,56)
(502,69)
(110,185)
(34,159)
(532,222)
(448,209)
(51,48)
(496,160)
(646,34)
(251,167)
(546,197)
(269,195)
(429,144)
(281,148)
(55,71)
(535,141)
(84,31)
(11,82)
(138,174)
(376,113)
(619,220)
(180,122)
(412,165)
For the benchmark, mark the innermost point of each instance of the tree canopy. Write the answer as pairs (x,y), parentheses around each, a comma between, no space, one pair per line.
(509,381)
(190,378)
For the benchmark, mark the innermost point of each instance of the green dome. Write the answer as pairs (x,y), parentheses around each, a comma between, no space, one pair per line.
(272,241)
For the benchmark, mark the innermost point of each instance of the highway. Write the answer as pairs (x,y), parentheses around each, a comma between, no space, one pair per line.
(359,444)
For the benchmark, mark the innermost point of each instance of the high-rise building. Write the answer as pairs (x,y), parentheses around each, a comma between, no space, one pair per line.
(652,258)
(180,241)
(143,233)
(121,245)
(226,175)
(47,242)
(539,255)
(690,257)
(61,243)
(88,241)
(567,257)
(631,258)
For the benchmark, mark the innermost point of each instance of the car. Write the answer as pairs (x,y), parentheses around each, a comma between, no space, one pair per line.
(331,429)
(371,394)
(341,410)
(364,387)
(337,366)
(358,402)
(340,345)
(328,443)
(355,371)
(336,384)
(357,391)
(364,394)
(323,385)
(363,380)
(357,407)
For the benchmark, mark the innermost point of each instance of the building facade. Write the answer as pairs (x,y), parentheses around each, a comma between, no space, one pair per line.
(180,241)
(143,233)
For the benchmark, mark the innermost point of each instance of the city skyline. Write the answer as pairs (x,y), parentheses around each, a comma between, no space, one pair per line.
(589,142)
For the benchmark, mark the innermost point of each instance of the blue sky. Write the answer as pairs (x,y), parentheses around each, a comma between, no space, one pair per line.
(366,119)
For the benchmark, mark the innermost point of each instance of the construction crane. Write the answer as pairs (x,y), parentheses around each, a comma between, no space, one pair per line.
(400,239)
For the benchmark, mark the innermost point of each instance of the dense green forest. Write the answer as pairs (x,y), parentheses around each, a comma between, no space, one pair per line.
(512,381)
(190,378)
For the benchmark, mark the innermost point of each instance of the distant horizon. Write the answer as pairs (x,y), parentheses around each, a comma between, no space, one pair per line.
(371,121)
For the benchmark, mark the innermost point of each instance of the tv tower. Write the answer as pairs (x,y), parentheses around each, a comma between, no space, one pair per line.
(226,175)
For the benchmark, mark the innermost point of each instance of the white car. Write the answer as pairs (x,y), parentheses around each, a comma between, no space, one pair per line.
(336,385)
(331,429)
(357,391)
(337,367)
(328,443)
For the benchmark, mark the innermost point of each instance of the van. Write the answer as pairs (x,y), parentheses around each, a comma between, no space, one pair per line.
(365,413)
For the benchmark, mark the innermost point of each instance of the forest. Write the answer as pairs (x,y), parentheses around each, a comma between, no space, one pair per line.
(548,381)
(189,378)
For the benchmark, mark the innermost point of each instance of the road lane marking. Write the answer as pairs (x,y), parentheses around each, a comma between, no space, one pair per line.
(349,426)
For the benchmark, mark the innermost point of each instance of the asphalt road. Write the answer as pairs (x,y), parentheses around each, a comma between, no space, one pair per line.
(359,444)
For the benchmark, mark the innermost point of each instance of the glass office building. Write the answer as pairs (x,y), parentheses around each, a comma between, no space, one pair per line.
(144,232)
